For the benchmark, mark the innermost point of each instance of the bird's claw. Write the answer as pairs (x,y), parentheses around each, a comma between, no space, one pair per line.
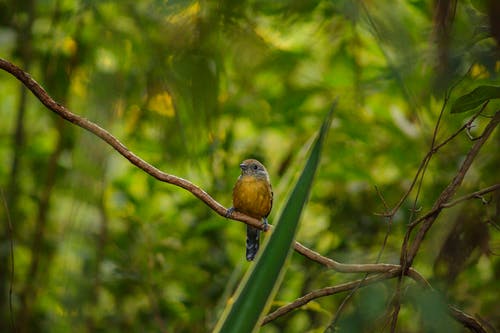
(229,212)
(265,225)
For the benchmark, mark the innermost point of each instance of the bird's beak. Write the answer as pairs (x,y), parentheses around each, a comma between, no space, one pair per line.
(243,166)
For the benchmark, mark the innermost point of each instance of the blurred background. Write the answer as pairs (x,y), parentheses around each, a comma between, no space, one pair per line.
(194,87)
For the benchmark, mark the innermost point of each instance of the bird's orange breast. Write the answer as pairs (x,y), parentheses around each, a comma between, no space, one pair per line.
(253,196)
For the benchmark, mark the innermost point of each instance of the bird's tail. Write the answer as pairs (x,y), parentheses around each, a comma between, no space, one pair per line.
(253,235)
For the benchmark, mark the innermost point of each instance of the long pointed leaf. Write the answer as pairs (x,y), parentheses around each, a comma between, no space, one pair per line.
(261,282)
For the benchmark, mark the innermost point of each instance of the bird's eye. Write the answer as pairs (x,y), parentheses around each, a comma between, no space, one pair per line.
(255,166)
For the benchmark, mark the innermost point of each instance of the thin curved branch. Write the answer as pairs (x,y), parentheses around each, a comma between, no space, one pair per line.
(86,124)
(465,319)
(449,204)
(327,292)
(462,317)
(356,268)
(433,150)
(473,195)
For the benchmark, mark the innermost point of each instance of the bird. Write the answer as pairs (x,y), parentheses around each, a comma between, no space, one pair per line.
(253,196)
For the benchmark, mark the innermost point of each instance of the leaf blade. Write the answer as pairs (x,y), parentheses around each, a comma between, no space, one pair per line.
(475,98)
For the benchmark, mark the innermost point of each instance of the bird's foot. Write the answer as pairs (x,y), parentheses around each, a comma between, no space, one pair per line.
(229,212)
(265,225)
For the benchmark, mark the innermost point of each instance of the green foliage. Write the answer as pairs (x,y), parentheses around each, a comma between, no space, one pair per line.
(194,88)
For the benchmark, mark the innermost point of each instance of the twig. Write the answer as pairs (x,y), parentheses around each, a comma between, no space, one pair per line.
(449,204)
(450,190)
(432,151)
(408,255)
(417,180)
(347,268)
(326,292)
(467,320)
(405,264)
(473,195)
(356,268)
(465,126)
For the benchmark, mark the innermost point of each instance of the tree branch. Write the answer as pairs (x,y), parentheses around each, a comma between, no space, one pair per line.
(450,190)
(465,319)
(420,174)
(327,292)
(354,268)
(449,204)
(473,195)
(86,124)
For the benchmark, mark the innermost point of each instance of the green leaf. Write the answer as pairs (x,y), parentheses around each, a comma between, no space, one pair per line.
(259,285)
(475,98)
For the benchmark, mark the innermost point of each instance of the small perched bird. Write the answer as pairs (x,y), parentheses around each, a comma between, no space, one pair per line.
(252,196)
